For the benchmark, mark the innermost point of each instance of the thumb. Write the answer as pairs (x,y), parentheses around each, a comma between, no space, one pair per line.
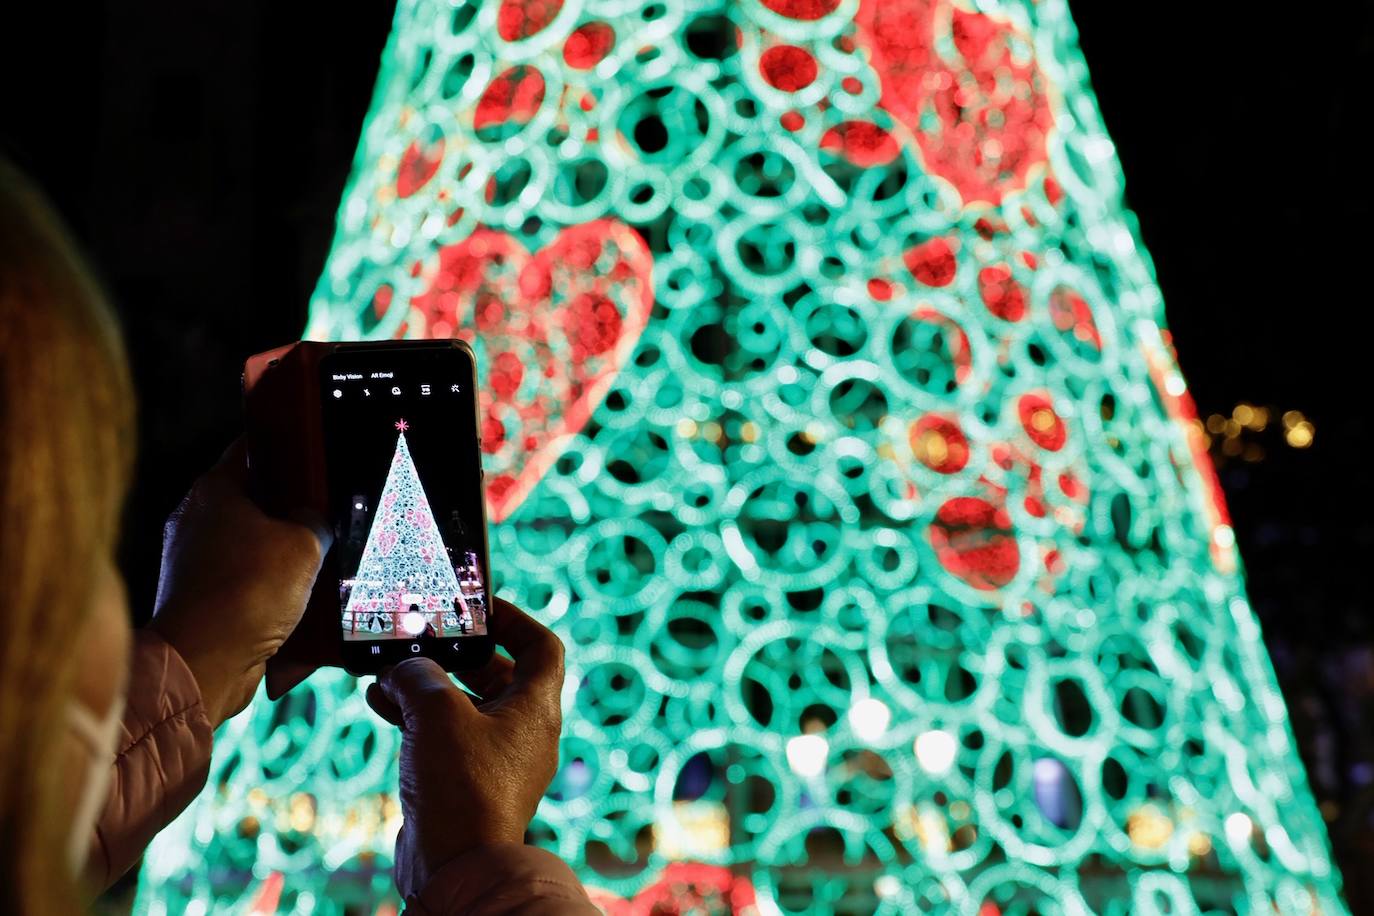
(421,689)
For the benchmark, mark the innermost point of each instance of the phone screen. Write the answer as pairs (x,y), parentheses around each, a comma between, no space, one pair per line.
(403,467)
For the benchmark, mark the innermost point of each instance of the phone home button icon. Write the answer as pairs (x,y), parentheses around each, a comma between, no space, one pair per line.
(415,647)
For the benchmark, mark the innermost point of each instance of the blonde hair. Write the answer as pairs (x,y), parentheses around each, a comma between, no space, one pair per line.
(66,445)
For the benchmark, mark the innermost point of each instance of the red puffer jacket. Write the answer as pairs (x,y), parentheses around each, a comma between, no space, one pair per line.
(164,757)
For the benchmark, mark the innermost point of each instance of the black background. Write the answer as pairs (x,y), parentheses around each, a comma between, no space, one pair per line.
(199,152)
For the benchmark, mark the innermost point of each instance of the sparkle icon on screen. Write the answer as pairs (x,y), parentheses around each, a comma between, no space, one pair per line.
(402,425)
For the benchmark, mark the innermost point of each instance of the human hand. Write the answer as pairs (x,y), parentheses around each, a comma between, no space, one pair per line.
(233,585)
(472,773)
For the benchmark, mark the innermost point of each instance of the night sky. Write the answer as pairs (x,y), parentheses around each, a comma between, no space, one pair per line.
(199,151)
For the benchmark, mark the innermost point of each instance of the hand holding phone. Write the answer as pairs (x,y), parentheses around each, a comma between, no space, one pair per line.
(233,585)
(381,439)
(452,745)
(404,475)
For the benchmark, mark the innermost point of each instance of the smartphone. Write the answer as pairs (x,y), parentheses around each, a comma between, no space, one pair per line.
(403,475)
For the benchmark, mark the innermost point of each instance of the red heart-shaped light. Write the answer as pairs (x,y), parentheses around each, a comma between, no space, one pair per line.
(552,331)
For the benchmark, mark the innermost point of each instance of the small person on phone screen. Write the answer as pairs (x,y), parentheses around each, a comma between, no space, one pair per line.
(460,609)
(105,737)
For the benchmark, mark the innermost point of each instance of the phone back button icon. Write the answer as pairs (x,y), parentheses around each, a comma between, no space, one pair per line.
(457,646)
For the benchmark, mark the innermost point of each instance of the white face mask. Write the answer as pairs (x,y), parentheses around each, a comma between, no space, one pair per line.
(100,739)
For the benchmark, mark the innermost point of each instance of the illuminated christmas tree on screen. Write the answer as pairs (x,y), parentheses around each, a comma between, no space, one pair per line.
(830,420)
(405,584)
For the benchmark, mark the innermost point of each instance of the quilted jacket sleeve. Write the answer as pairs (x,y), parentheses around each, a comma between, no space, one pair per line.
(162,760)
(503,880)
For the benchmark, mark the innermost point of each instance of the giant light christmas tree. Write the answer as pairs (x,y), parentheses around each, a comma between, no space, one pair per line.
(831,422)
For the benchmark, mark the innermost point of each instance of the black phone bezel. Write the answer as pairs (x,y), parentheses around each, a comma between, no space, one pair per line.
(464,653)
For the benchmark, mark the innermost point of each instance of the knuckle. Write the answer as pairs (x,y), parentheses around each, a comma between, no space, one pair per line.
(204,489)
(177,517)
(200,494)
(557,652)
(550,714)
(449,705)
(303,546)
